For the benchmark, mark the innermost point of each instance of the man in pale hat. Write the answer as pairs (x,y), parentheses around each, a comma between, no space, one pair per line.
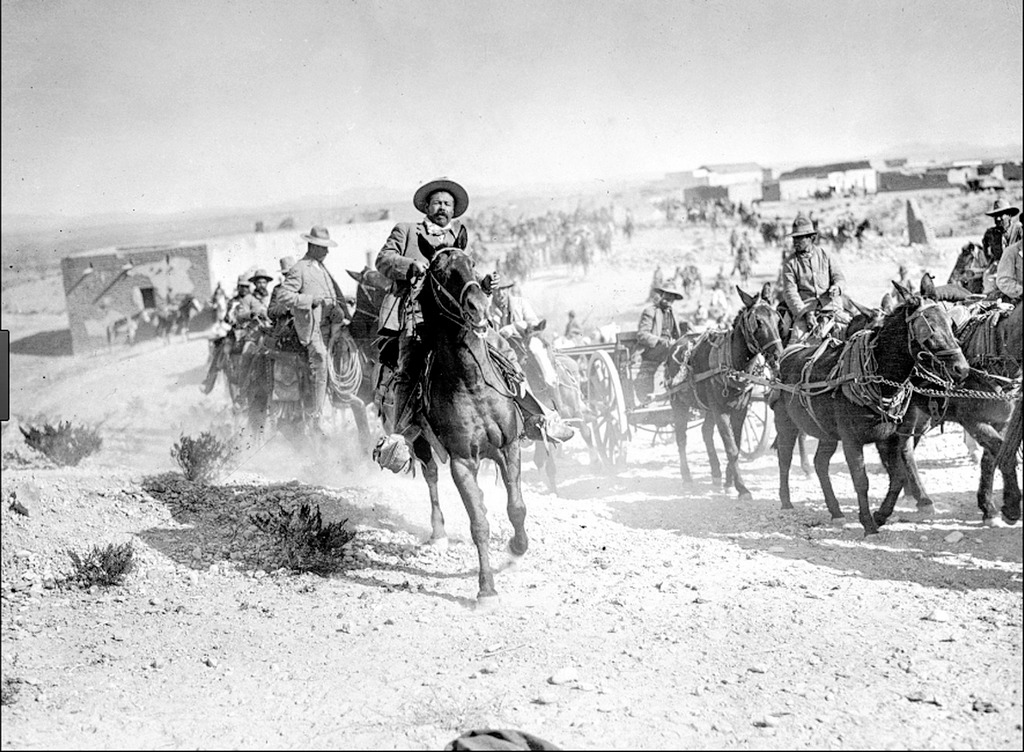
(808,274)
(656,333)
(404,259)
(222,346)
(316,302)
(255,304)
(1006,231)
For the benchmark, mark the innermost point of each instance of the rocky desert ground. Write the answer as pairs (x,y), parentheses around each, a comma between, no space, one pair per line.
(644,615)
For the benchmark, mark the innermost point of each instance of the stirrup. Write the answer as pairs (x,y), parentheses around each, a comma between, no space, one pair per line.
(392,453)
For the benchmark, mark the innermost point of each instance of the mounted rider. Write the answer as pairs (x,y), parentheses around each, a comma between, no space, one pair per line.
(997,239)
(317,305)
(809,275)
(224,344)
(657,332)
(404,259)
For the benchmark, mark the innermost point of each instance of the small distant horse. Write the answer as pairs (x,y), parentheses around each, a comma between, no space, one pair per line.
(175,319)
(858,393)
(125,326)
(711,386)
(992,344)
(469,412)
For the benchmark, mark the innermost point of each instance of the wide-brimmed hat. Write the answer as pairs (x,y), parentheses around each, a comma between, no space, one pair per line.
(243,281)
(505,284)
(286,262)
(261,274)
(670,289)
(424,192)
(802,226)
(1002,206)
(318,235)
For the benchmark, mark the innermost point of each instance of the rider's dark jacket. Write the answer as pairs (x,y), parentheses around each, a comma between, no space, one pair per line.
(805,276)
(405,245)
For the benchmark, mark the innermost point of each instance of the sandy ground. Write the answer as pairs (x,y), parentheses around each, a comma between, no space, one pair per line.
(643,615)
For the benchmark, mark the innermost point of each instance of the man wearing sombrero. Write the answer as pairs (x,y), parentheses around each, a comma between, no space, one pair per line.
(656,332)
(222,346)
(404,258)
(808,273)
(316,302)
(1005,231)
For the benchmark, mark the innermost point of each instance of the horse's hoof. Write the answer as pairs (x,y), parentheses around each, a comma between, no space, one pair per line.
(512,549)
(838,522)
(925,512)
(746,496)
(997,522)
(487,604)
(438,544)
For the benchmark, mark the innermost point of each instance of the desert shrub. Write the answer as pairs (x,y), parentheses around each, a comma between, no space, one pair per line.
(104,566)
(302,541)
(9,691)
(64,444)
(202,459)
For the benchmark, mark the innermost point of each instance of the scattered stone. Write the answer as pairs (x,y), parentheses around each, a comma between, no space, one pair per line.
(919,696)
(193,578)
(938,615)
(156,601)
(768,721)
(210,661)
(564,676)
(955,537)
(346,627)
(984,706)
(389,622)
(489,668)
(547,698)
(158,663)
(586,687)
(197,553)
(757,669)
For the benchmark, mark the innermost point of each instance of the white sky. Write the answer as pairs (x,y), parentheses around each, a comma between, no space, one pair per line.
(164,106)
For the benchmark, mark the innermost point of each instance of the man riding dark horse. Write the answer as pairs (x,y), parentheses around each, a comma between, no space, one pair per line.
(404,259)
(809,276)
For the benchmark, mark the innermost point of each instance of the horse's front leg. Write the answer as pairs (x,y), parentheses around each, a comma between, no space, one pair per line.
(822,459)
(438,535)
(680,417)
(510,469)
(707,432)
(786,432)
(854,452)
(991,442)
(889,453)
(464,472)
(729,426)
(912,477)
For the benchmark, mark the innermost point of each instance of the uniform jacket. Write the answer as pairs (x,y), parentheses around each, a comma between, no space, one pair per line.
(995,240)
(656,324)
(251,306)
(808,275)
(307,280)
(403,247)
(517,318)
(1008,276)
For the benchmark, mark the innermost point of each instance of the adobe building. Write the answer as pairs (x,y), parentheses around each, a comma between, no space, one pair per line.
(106,288)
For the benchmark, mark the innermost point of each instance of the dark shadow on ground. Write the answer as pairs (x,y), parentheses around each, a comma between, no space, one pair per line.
(805,534)
(55,344)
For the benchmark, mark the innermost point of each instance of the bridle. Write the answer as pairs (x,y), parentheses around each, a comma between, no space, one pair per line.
(747,332)
(919,330)
(450,306)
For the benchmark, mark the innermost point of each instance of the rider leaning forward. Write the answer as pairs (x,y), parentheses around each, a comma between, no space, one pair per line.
(404,258)
(807,274)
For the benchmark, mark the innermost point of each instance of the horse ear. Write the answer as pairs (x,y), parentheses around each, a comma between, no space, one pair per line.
(766,292)
(463,239)
(863,310)
(747,298)
(902,291)
(357,276)
(928,286)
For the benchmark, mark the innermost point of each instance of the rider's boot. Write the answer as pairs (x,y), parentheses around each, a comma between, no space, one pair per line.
(540,423)
(211,374)
(394,451)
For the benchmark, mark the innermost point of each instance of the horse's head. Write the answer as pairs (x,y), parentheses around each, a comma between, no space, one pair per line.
(929,332)
(452,291)
(760,323)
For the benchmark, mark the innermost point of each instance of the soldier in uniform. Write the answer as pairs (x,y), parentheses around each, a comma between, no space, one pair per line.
(223,346)
(808,273)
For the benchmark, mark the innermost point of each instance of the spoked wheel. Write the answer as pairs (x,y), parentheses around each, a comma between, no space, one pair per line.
(608,405)
(758,429)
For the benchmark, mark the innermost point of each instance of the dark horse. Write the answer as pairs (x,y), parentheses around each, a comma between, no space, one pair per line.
(468,411)
(710,386)
(992,344)
(858,393)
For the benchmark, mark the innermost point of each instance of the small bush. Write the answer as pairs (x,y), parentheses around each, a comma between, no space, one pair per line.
(202,459)
(9,691)
(66,444)
(303,541)
(104,566)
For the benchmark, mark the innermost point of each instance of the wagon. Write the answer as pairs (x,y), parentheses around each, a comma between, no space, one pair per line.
(606,380)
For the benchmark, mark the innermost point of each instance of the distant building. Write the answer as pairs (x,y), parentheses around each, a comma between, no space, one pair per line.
(109,285)
(841,178)
(741,179)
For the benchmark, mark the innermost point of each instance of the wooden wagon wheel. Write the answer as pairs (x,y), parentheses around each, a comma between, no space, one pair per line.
(758,428)
(606,401)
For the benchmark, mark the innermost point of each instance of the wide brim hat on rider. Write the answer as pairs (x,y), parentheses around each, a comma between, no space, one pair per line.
(261,274)
(670,290)
(421,198)
(319,235)
(243,281)
(802,227)
(1002,206)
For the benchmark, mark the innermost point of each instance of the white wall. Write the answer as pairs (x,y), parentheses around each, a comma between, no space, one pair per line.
(232,255)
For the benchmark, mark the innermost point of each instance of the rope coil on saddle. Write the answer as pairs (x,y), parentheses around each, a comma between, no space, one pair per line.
(857,361)
(344,368)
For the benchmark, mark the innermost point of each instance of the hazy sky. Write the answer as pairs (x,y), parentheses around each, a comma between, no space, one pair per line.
(162,106)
